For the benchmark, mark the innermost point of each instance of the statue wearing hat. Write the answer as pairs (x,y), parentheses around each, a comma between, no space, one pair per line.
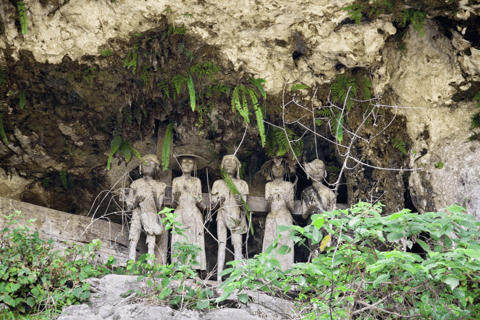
(231,214)
(317,198)
(187,193)
(145,197)
(279,197)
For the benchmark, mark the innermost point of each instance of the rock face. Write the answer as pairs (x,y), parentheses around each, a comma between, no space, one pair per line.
(108,303)
(83,87)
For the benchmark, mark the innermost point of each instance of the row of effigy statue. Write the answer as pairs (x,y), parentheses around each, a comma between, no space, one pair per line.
(145,198)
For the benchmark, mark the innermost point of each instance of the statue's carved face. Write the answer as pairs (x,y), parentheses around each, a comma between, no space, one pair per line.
(187,165)
(148,167)
(229,165)
(278,170)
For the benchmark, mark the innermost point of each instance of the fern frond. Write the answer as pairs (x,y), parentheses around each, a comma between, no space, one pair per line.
(258,83)
(133,62)
(298,86)
(399,145)
(258,115)
(164,86)
(233,189)
(282,140)
(355,12)
(236,100)
(2,130)
(178,81)
(22,12)
(166,146)
(244,113)
(191,91)
(22,99)
(338,127)
(63,178)
(114,145)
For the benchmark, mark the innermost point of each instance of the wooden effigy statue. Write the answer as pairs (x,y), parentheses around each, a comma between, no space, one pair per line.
(145,198)
(279,199)
(187,193)
(317,198)
(231,214)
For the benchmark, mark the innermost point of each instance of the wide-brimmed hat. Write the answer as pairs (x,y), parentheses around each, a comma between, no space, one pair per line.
(187,151)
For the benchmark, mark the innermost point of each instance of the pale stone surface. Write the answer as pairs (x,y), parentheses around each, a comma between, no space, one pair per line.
(245,31)
(107,303)
(61,226)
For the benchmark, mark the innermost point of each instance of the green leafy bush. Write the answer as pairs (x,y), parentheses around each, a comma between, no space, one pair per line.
(34,276)
(354,279)
(158,278)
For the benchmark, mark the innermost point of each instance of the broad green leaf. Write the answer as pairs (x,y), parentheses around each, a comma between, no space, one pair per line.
(319,222)
(202,304)
(473,254)
(317,236)
(381,278)
(243,298)
(409,268)
(300,280)
(284,249)
(191,91)
(424,246)
(451,280)
(339,128)
(283,228)
(394,236)
(8,300)
(396,215)
(298,86)
(354,221)
(227,271)
(30,302)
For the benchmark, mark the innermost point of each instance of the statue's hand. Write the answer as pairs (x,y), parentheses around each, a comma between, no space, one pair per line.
(270,199)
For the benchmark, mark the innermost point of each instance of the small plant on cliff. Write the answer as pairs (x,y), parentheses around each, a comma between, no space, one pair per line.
(131,60)
(167,142)
(35,277)
(475,120)
(125,148)
(22,13)
(2,130)
(399,145)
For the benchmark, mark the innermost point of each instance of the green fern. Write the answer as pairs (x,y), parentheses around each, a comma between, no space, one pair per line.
(164,87)
(258,83)
(144,77)
(233,189)
(63,178)
(22,99)
(2,130)
(298,86)
(22,12)
(191,91)
(123,146)
(189,54)
(208,69)
(127,115)
(138,116)
(167,140)
(181,45)
(277,143)
(355,12)
(178,81)
(220,88)
(340,88)
(2,76)
(415,17)
(338,127)
(106,52)
(399,145)
(132,63)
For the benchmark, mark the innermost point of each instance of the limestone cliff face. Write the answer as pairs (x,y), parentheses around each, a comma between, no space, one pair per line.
(75,92)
